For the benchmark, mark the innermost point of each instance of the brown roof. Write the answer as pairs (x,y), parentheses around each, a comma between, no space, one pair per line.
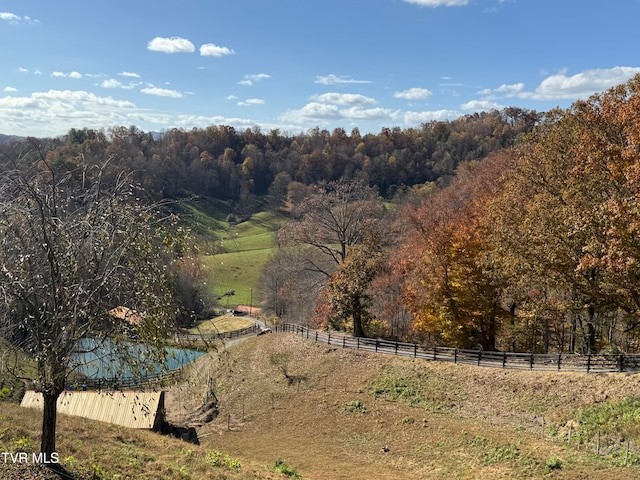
(127,314)
(127,408)
(248,309)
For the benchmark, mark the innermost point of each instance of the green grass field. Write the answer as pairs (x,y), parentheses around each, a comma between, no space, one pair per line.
(243,248)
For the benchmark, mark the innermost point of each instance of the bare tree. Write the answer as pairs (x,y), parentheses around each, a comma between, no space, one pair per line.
(75,250)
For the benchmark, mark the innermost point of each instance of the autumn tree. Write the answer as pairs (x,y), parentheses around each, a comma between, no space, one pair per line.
(333,223)
(540,224)
(565,225)
(72,252)
(447,285)
(347,290)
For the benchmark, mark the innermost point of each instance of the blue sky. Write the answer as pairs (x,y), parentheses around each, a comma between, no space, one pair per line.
(298,64)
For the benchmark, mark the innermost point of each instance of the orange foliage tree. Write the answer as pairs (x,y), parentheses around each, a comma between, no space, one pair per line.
(446,284)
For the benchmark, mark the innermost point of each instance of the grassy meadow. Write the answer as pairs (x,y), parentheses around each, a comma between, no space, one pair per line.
(240,250)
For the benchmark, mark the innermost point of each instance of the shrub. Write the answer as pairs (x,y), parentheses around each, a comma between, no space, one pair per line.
(283,468)
(222,460)
(554,463)
(354,406)
(500,454)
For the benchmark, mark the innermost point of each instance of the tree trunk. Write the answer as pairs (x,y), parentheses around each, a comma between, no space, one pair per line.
(591,330)
(356,311)
(572,334)
(49,418)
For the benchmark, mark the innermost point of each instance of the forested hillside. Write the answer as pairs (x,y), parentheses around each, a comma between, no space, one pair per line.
(223,163)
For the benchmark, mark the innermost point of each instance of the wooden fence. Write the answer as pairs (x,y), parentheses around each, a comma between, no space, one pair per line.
(522,361)
(210,337)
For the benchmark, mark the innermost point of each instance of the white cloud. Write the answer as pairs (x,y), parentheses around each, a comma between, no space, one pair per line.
(13,18)
(111,83)
(413,94)
(580,86)
(231,97)
(413,118)
(253,78)
(343,99)
(313,110)
(369,113)
(75,75)
(23,70)
(211,50)
(129,74)
(481,106)
(439,3)
(9,17)
(510,89)
(10,89)
(161,92)
(170,45)
(251,101)
(53,113)
(115,83)
(189,121)
(318,112)
(332,79)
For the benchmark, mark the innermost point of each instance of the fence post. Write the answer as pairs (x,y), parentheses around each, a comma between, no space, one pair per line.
(358,343)
(455,355)
(377,344)
(435,353)
(396,348)
(531,362)
(328,338)
(344,340)
(621,363)
(479,356)
(316,336)
(588,363)
(504,360)
(559,360)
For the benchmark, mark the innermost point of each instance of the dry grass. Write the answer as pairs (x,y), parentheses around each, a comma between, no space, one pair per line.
(224,323)
(465,422)
(335,409)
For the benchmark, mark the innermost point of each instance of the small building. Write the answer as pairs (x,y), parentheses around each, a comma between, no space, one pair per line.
(248,310)
(143,410)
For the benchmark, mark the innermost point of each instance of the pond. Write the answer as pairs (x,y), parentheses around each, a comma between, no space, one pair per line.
(105,359)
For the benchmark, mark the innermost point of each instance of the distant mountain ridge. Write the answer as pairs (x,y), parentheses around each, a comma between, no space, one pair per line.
(8,138)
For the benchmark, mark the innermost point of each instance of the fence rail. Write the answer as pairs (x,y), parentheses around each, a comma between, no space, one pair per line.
(522,361)
(209,337)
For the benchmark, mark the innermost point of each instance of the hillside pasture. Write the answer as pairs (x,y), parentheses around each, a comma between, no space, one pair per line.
(244,250)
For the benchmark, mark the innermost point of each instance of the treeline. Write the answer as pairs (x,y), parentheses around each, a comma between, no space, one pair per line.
(240,166)
(535,248)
